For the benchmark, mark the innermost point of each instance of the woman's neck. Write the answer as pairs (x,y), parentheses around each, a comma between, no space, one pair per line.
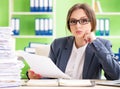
(79,43)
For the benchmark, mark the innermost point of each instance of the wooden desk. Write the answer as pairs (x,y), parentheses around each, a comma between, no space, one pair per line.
(60,87)
(95,87)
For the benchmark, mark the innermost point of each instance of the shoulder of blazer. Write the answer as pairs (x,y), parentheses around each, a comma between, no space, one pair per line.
(64,41)
(64,38)
(104,41)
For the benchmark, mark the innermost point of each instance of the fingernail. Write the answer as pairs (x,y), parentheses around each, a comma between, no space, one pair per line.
(32,72)
(39,75)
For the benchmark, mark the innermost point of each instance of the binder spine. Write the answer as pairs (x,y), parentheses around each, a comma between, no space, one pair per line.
(32,5)
(37,26)
(98,28)
(12,25)
(101,27)
(46,26)
(107,28)
(36,5)
(41,5)
(45,6)
(15,26)
(50,3)
(50,28)
(41,26)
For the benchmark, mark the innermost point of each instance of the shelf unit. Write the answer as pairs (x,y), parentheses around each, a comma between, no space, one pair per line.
(109,14)
(37,14)
(22,40)
(100,13)
(32,36)
(113,15)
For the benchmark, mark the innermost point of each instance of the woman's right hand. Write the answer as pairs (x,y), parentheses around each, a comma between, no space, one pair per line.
(33,75)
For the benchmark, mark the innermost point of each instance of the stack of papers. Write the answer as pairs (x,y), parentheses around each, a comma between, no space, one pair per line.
(10,72)
(10,67)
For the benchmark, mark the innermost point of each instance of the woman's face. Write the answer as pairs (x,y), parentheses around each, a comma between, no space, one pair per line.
(79,23)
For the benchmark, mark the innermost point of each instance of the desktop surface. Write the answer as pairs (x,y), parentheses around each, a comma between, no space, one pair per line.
(98,85)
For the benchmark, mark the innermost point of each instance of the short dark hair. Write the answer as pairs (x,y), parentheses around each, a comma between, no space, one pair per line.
(89,12)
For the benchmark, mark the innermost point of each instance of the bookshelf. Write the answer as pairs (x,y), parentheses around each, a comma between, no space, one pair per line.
(104,12)
(21,9)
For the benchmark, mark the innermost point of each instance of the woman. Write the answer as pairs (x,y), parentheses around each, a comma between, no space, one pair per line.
(82,55)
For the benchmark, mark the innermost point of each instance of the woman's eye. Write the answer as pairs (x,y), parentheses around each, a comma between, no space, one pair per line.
(73,21)
(84,20)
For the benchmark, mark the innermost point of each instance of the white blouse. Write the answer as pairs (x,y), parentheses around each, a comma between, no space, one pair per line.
(74,66)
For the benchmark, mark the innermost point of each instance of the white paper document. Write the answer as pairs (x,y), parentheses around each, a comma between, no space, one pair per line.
(42,65)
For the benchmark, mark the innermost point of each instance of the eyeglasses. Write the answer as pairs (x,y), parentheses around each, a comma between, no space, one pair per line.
(82,21)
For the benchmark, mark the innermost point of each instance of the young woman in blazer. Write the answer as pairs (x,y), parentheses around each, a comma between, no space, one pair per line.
(82,55)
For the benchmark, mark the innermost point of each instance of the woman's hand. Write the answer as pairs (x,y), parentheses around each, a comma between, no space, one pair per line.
(33,75)
(89,37)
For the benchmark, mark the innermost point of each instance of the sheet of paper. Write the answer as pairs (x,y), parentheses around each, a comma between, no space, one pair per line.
(42,65)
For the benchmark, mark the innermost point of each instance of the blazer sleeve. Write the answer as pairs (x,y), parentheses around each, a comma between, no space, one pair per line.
(109,64)
(53,51)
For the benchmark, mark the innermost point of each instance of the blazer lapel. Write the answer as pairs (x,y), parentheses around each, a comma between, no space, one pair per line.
(66,53)
(88,58)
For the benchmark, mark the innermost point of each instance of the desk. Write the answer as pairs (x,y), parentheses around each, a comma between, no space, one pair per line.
(95,87)
(60,87)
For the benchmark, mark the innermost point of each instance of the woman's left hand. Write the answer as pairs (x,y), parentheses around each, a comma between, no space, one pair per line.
(89,37)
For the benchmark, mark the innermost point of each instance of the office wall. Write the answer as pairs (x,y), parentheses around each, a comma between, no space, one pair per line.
(4,13)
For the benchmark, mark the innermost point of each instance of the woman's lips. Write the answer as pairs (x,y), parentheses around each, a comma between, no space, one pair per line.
(78,32)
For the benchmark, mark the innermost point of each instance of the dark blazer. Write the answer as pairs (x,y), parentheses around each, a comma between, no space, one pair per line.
(98,56)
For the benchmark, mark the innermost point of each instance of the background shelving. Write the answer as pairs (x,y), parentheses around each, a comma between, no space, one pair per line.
(21,9)
(112,14)
(27,18)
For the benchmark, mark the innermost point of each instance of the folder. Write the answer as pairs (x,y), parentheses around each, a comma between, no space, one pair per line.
(41,5)
(32,5)
(36,5)
(50,27)
(102,27)
(45,8)
(98,28)
(37,26)
(50,4)
(107,27)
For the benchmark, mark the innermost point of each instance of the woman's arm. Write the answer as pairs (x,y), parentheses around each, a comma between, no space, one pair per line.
(106,57)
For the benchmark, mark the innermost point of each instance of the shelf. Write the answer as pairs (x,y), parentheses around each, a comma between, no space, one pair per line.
(32,36)
(107,13)
(109,36)
(27,18)
(33,13)
(47,36)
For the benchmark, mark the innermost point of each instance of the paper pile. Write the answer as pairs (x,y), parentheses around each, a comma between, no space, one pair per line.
(10,67)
